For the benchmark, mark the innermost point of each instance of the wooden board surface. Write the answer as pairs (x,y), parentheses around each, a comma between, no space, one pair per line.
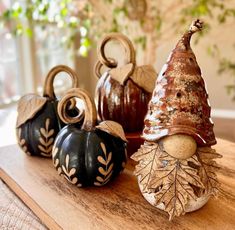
(117,206)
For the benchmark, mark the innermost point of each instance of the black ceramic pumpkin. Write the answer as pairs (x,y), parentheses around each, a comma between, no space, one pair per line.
(38,122)
(90,155)
(123,93)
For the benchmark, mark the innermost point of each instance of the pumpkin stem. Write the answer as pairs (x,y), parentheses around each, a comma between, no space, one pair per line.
(97,69)
(99,65)
(125,42)
(90,109)
(48,89)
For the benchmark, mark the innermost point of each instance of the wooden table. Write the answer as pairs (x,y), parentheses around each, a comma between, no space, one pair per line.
(118,206)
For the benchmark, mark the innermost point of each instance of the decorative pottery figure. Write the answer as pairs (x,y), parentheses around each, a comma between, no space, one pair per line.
(90,155)
(176,170)
(123,92)
(38,122)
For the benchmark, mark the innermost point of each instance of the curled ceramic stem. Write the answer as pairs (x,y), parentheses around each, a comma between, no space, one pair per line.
(97,69)
(48,84)
(90,109)
(99,65)
(125,42)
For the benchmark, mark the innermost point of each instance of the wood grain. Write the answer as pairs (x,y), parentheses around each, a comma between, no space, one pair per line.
(117,206)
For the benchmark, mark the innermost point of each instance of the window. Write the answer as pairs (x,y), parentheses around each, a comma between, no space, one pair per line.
(24,61)
(10,86)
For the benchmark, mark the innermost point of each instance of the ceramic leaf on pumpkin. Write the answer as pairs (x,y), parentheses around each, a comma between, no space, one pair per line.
(37,121)
(92,154)
(178,122)
(123,92)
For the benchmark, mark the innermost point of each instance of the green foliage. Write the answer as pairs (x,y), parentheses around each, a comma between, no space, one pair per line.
(44,13)
(227,65)
(78,22)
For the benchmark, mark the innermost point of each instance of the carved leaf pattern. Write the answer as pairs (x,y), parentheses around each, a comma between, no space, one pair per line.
(147,157)
(22,142)
(46,141)
(69,173)
(174,195)
(107,170)
(172,180)
(56,160)
(206,157)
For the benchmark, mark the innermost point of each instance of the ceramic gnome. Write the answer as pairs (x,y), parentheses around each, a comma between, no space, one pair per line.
(37,122)
(92,154)
(123,92)
(176,169)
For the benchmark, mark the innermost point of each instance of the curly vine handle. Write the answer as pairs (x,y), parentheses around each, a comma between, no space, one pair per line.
(90,109)
(99,65)
(48,90)
(97,69)
(125,42)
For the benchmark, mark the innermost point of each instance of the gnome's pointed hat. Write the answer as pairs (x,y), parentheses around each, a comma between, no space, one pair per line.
(179,103)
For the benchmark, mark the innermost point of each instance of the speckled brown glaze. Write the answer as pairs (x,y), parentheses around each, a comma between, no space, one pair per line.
(179,102)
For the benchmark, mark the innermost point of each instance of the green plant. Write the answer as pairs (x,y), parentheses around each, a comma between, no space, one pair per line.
(148,23)
(70,16)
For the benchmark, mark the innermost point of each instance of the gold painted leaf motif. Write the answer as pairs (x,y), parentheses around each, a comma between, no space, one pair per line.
(55,159)
(112,128)
(46,141)
(28,106)
(22,141)
(69,173)
(145,77)
(106,170)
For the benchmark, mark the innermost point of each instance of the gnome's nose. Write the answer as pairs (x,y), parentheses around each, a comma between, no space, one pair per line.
(179,146)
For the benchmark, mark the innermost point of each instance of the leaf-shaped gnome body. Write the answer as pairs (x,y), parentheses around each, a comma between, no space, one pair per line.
(176,170)
(92,154)
(38,122)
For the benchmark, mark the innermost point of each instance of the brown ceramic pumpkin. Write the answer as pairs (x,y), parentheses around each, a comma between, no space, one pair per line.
(123,93)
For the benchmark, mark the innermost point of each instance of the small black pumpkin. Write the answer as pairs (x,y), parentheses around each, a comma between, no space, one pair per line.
(38,122)
(92,154)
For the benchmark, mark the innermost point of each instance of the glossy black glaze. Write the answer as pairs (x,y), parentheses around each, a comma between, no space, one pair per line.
(83,148)
(30,135)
